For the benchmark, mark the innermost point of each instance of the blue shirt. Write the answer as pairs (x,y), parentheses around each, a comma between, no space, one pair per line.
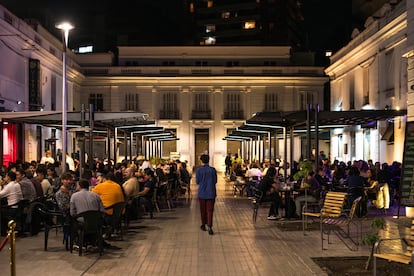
(206,179)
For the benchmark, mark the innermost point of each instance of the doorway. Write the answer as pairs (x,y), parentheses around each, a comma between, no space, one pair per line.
(201,136)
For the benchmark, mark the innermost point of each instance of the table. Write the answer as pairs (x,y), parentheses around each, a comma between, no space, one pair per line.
(287,190)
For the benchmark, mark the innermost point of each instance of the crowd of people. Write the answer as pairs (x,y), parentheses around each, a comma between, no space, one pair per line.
(46,182)
(375,182)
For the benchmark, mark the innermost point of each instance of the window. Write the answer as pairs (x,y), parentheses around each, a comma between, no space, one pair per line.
(169,106)
(209,4)
(131,101)
(233,104)
(201,102)
(249,25)
(53,93)
(225,15)
(389,76)
(191,7)
(97,100)
(365,86)
(210,28)
(169,146)
(351,93)
(271,102)
(306,98)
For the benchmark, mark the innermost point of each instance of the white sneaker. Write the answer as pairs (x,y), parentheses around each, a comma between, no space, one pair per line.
(272,217)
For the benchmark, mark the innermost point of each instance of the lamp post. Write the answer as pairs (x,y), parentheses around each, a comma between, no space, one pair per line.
(65,27)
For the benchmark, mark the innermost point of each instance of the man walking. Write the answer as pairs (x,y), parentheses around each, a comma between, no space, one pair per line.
(206,179)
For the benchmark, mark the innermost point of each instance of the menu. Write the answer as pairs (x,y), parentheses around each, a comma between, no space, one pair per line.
(407,172)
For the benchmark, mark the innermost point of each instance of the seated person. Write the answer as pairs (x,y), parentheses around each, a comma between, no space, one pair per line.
(110,193)
(145,196)
(312,195)
(84,200)
(270,189)
(254,175)
(378,192)
(11,191)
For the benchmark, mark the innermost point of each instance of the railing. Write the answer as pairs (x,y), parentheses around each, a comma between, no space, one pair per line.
(234,114)
(169,114)
(201,114)
(11,235)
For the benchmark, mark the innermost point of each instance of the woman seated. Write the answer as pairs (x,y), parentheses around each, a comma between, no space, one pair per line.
(377,192)
(270,189)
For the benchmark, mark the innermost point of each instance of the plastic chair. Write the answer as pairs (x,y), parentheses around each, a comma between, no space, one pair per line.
(54,219)
(114,221)
(87,224)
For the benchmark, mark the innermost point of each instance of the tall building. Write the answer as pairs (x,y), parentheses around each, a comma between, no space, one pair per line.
(247,22)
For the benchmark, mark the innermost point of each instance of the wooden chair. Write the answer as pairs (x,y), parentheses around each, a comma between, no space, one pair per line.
(332,208)
(404,257)
(346,221)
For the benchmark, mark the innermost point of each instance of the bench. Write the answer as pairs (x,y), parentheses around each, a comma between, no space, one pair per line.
(405,257)
(332,209)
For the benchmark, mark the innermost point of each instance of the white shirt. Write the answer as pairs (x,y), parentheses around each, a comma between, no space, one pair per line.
(12,192)
(254,172)
(45,159)
(70,162)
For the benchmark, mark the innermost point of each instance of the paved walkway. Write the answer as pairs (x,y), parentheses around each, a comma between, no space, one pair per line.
(173,244)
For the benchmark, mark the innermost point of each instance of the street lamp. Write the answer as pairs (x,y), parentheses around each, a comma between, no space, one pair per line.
(65,27)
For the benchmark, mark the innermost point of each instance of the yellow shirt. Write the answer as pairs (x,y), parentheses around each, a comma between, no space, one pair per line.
(110,193)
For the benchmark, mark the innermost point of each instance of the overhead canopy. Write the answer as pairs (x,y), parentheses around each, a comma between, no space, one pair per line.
(271,121)
(74,119)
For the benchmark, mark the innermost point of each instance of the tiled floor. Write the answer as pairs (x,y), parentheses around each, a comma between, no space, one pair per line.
(173,244)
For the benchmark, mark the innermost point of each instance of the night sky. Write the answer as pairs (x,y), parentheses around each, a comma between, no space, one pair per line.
(161,22)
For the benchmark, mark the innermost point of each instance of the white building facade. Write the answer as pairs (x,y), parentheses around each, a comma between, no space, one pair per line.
(373,72)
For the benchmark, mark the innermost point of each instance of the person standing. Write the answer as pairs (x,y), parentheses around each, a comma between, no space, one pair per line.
(206,179)
(227,162)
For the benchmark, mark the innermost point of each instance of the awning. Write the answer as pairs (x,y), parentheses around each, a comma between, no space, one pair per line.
(74,119)
(326,119)
(276,121)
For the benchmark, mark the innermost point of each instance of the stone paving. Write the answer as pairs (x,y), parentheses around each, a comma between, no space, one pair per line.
(173,244)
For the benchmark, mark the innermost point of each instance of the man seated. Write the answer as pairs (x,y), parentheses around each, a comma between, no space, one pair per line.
(110,193)
(82,201)
(145,196)
(312,194)
(131,185)
(27,187)
(10,190)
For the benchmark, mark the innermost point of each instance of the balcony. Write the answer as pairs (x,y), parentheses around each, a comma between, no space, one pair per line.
(233,115)
(169,114)
(201,115)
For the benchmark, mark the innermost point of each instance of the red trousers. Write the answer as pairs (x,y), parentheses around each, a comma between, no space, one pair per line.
(206,210)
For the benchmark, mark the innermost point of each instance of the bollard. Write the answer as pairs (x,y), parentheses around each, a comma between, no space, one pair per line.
(12,235)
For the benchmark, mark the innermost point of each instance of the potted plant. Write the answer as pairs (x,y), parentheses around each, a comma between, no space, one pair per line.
(304,168)
(372,237)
